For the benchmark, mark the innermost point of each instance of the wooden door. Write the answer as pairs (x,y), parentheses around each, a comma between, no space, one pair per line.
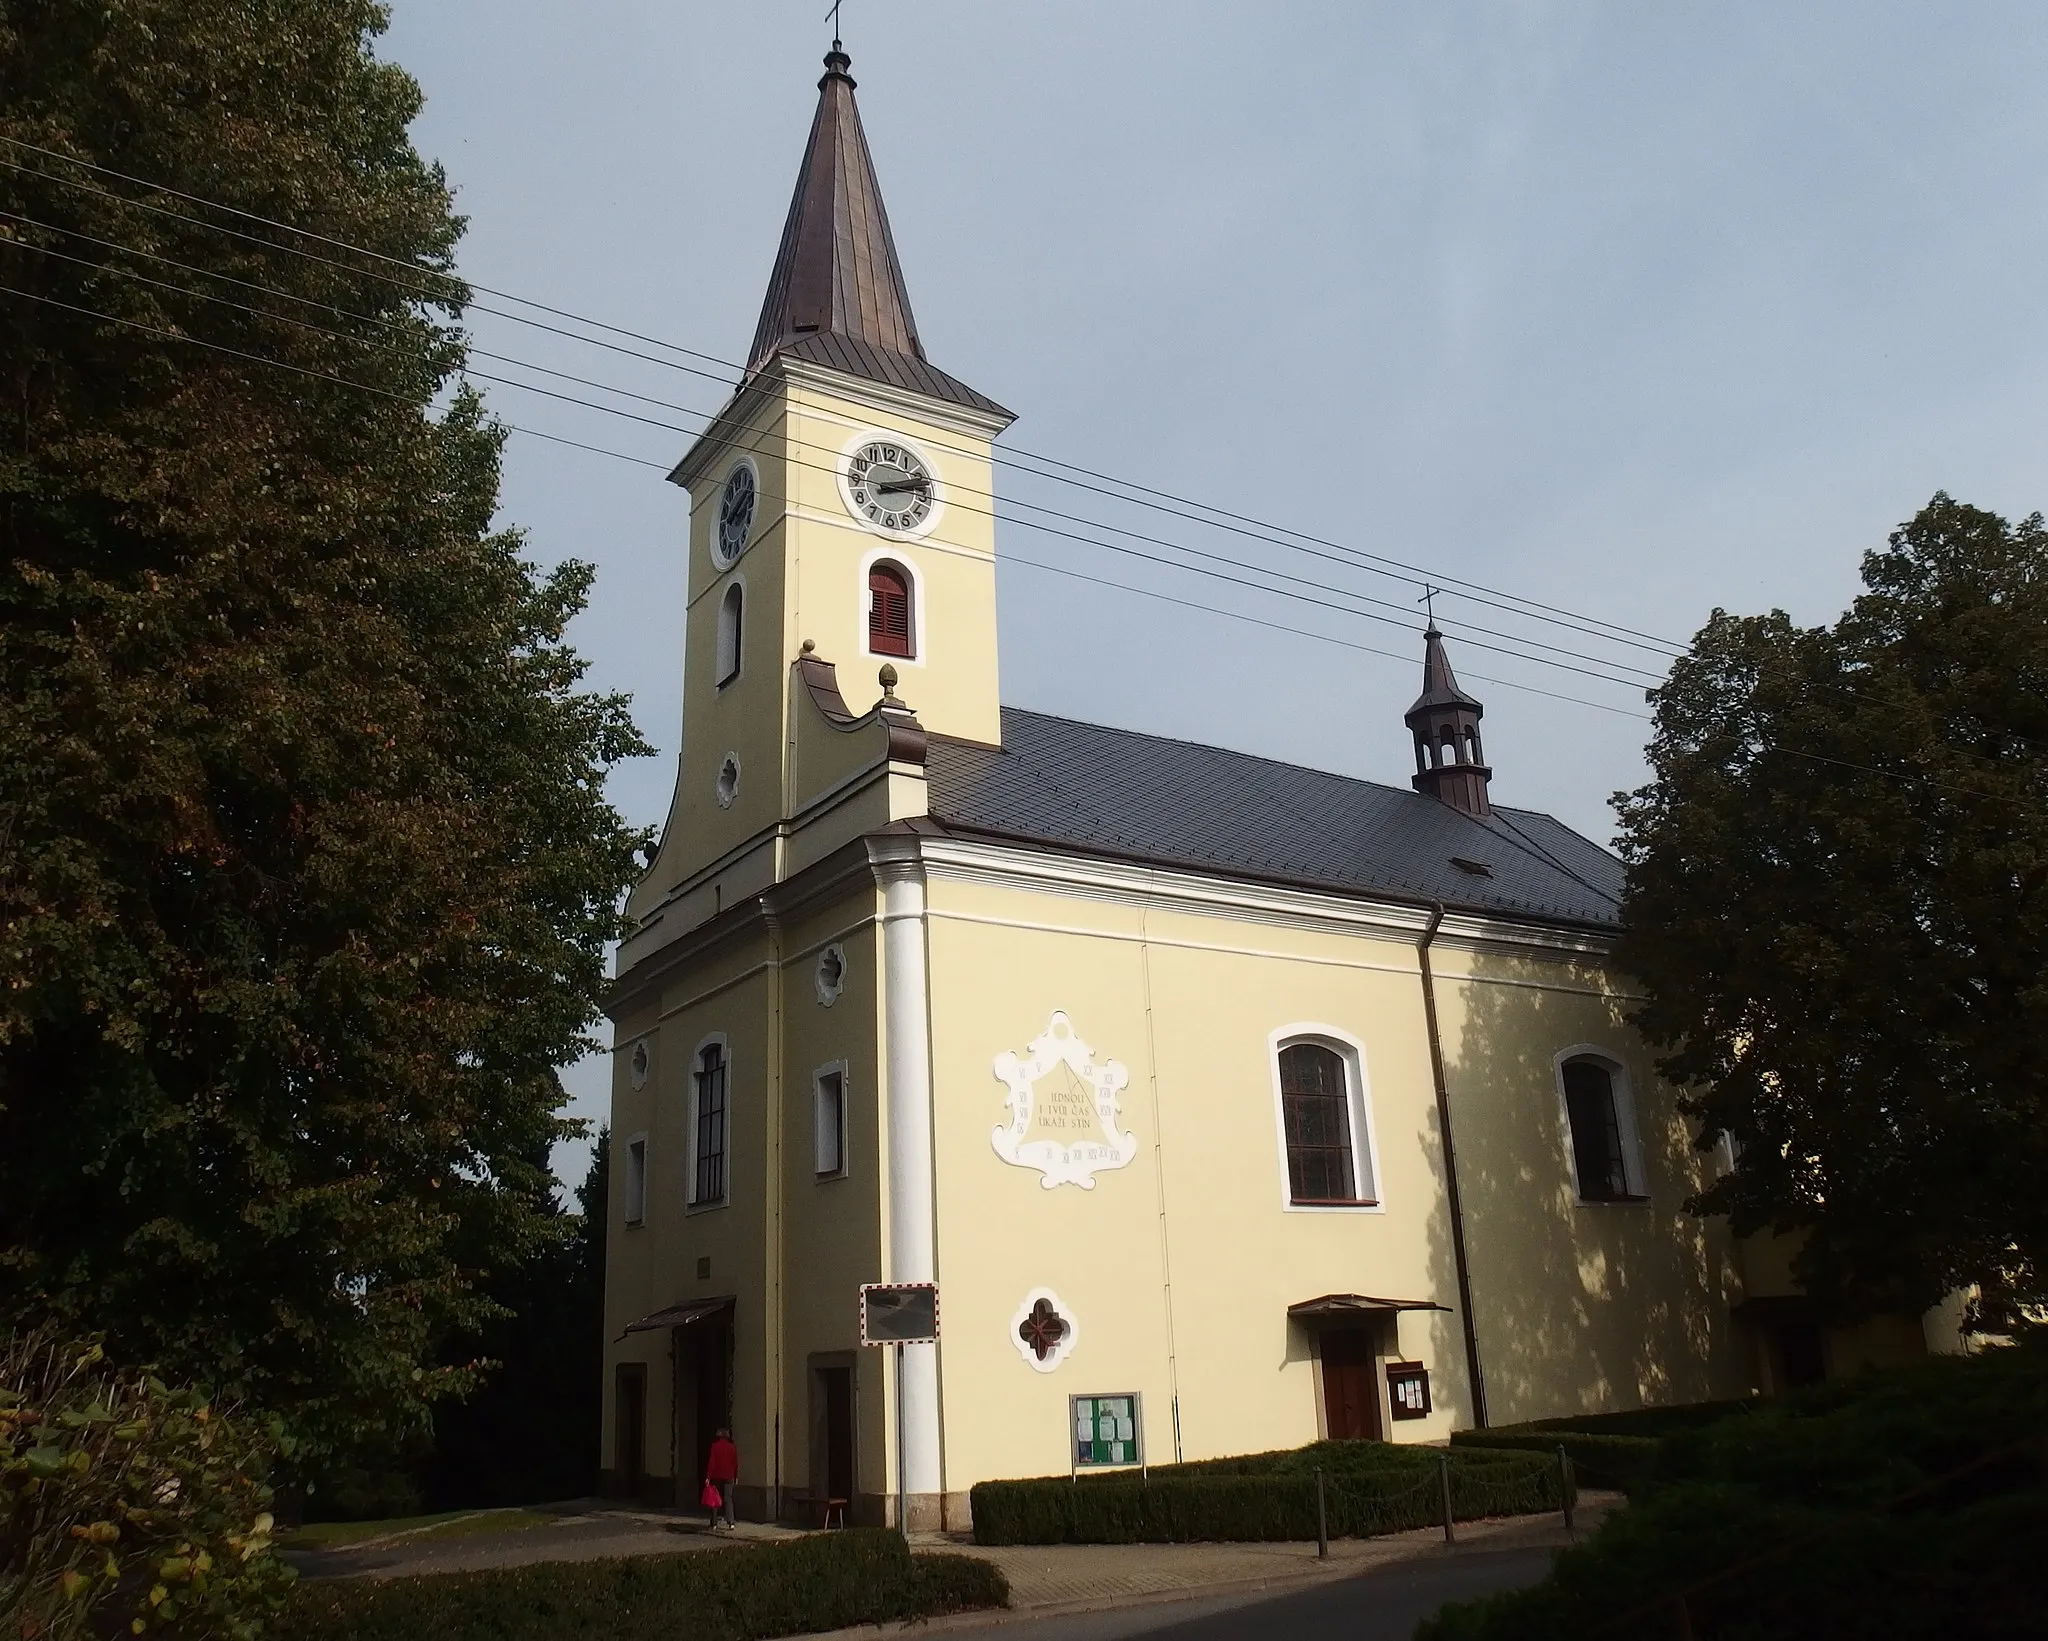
(629,1434)
(838,1385)
(1351,1403)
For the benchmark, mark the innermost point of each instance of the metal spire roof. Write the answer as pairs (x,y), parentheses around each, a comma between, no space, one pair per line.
(837,268)
(1439,687)
(837,295)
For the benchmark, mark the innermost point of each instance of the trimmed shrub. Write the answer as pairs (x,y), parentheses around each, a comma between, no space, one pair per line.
(1650,1422)
(1626,1462)
(127,1505)
(1267,1496)
(742,1593)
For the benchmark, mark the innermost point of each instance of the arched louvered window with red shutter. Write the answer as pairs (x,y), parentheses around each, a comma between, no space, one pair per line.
(889,614)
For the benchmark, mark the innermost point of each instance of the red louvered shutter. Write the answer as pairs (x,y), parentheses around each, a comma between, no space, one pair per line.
(888,611)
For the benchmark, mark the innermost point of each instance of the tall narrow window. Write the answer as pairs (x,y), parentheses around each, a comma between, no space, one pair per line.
(831,1123)
(1315,1106)
(708,1183)
(1599,1149)
(730,611)
(889,612)
(636,1179)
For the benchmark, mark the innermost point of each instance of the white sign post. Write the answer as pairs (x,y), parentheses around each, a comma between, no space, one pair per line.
(899,1314)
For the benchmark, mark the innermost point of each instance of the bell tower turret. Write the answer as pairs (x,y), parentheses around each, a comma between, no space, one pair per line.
(1450,763)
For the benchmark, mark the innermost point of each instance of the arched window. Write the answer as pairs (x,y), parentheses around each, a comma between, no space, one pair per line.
(890,623)
(1602,1130)
(731,610)
(707,1100)
(1327,1161)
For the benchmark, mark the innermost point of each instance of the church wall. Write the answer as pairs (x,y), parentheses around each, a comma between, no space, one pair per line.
(1190,1011)
(831,1228)
(1581,1307)
(655,1264)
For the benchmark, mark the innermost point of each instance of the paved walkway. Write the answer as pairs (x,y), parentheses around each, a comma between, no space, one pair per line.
(1054,1578)
(1045,1580)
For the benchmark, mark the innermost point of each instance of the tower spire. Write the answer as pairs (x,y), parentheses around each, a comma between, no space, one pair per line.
(1450,763)
(836,272)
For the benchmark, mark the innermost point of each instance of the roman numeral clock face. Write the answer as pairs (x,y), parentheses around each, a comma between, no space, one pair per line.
(889,486)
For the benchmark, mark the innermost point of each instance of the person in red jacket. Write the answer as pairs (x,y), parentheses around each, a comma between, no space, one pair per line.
(721,1470)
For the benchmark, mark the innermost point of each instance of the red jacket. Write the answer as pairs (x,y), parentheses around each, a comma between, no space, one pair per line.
(724,1462)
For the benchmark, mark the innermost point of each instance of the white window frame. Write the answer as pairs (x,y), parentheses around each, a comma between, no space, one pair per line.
(1365,1153)
(721,679)
(833,1068)
(635,1180)
(710,1204)
(903,561)
(1635,1176)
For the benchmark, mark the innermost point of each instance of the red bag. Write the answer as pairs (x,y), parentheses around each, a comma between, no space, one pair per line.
(711,1498)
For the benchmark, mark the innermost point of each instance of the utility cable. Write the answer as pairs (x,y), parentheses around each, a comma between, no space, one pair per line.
(1477,591)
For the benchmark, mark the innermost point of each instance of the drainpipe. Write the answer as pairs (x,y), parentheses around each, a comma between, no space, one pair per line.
(1443,1117)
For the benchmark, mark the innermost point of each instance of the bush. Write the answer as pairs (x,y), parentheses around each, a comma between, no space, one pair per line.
(1905,1503)
(128,1505)
(826,1582)
(1649,1422)
(1369,1488)
(1626,1462)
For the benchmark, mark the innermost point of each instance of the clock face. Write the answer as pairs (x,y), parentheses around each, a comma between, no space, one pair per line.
(889,486)
(736,513)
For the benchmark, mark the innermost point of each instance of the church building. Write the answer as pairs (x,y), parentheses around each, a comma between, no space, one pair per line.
(1229,1104)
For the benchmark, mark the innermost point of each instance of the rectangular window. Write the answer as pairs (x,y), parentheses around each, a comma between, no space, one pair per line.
(636,1179)
(708,1182)
(830,1097)
(1315,1103)
(1597,1150)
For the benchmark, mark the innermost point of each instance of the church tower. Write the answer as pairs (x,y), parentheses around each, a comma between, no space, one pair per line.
(841,512)
(1450,764)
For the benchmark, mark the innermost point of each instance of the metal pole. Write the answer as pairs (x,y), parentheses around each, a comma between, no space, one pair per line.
(1443,1470)
(1564,1476)
(902,1472)
(1322,1520)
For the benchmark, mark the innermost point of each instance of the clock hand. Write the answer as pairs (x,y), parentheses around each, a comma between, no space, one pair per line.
(902,485)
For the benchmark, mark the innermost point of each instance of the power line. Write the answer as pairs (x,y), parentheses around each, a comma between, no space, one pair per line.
(1477,591)
(301,370)
(789,443)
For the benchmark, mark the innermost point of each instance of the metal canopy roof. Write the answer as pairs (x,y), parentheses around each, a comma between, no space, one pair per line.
(1336,1306)
(680,1316)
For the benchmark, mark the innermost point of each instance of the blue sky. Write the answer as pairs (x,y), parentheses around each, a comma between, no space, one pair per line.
(1634,310)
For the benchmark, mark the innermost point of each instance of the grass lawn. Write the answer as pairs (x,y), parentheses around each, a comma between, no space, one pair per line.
(342,1535)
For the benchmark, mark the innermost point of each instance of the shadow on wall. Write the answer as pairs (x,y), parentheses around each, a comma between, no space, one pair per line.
(1580,1308)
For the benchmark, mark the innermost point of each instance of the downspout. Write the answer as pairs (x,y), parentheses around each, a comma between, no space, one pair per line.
(1443,1117)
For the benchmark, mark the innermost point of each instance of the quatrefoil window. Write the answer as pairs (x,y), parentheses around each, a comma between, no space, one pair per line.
(1043,1330)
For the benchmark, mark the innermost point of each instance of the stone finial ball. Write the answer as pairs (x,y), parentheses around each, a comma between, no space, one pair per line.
(888,677)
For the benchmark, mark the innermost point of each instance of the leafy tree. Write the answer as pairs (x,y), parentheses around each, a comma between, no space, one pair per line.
(529,1432)
(1838,906)
(306,868)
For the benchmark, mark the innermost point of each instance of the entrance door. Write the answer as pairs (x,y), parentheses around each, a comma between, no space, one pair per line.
(629,1430)
(838,1388)
(1351,1402)
(709,1347)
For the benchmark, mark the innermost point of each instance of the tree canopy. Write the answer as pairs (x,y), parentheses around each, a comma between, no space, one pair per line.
(1838,907)
(306,866)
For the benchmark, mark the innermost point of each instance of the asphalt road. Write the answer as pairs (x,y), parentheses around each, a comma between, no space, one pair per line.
(1382,1605)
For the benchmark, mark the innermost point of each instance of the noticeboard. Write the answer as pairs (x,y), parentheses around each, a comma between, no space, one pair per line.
(899,1313)
(1106,1430)
(1408,1390)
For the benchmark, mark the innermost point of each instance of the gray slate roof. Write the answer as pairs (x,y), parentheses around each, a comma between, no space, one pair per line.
(1101,791)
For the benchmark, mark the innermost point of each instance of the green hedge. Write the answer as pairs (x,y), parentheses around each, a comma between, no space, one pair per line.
(1650,1422)
(744,1593)
(1626,1462)
(1904,1503)
(1365,1494)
